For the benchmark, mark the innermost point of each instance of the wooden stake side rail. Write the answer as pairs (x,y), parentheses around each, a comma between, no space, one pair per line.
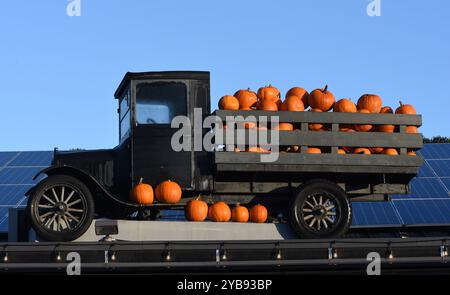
(334,139)
(295,162)
(328,139)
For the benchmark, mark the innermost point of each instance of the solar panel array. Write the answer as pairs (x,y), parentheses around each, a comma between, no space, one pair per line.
(428,203)
(16,178)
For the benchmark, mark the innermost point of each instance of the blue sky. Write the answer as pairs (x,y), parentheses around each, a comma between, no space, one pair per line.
(58,73)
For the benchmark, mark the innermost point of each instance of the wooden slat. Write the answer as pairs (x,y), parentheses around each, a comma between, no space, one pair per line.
(320,159)
(261,168)
(341,118)
(336,139)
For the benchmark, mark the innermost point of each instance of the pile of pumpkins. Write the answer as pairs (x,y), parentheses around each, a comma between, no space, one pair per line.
(169,192)
(197,210)
(297,99)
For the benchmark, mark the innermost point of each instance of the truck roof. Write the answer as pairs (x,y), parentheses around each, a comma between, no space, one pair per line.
(197,75)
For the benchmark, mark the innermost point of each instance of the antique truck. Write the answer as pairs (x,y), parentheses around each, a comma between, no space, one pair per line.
(312,192)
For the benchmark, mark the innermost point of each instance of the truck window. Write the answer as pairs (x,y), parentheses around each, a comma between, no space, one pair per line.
(160,102)
(124,116)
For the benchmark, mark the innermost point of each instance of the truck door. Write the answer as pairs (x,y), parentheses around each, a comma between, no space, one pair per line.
(157,102)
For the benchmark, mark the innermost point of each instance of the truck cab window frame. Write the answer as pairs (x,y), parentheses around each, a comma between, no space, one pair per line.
(124,117)
(158,102)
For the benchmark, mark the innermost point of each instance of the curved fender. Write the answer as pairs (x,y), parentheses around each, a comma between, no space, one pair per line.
(72,171)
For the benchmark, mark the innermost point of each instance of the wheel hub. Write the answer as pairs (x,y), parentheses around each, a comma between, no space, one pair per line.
(319,211)
(61,208)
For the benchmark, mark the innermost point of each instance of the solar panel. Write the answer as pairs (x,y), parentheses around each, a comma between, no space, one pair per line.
(421,212)
(374,214)
(440,167)
(5,157)
(425,188)
(13,195)
(42,159)
(426,171)
(446,182)
(19,175)
(3,219)
(435,151)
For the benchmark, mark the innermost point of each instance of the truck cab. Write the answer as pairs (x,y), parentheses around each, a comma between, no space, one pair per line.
(311,192)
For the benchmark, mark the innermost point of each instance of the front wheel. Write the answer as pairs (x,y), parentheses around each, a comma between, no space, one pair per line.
(320,209)
(61,208)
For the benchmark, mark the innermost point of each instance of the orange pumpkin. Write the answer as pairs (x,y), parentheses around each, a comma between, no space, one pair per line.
(256,149)
(196,210)
(142,193)
(390,151)
(341,152)
(363,127)
(292,103)
(405,109)
(219,212)
(258,213)
(412,129)
(346,129)
(168,192)
(283,126)
(300,93)
(363,151)
(376,150)
(385,128)
(247,125)
(269,92)
(321,99)
(344,106)
(313,150)
(315,126)
(239,214)
(267,105)
(229,102)
(370,102)
(386,110)
(411,153)
(247,99)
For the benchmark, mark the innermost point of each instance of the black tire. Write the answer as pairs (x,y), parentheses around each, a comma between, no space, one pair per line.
(329,207)
(74,211)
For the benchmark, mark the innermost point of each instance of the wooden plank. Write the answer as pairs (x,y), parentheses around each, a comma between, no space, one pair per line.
(262,168)
(320,159)
(336,139)
(327,118)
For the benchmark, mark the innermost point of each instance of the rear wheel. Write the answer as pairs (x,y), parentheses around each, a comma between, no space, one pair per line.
(320,209)
(61,208)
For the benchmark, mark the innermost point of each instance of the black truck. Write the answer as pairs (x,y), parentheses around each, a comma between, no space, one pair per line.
(313,192)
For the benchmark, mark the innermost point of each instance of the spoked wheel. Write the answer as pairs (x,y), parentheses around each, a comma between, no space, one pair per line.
(61,208)
(320,210)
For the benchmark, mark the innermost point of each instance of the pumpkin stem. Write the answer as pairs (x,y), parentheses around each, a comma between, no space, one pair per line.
(325,88)
(140,180)
(238,204)
(401,103)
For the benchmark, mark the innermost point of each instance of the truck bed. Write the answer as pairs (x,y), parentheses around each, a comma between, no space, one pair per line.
(331,162)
